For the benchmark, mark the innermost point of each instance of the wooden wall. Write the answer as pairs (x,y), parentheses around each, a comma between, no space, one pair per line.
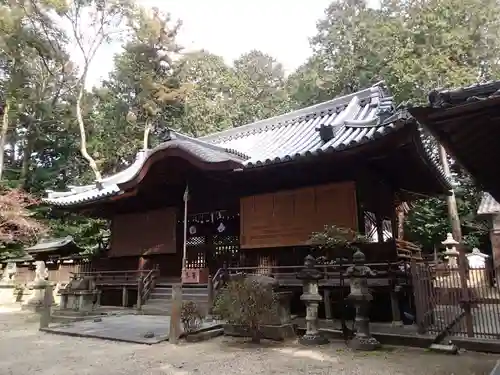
(287,218)
(147,233)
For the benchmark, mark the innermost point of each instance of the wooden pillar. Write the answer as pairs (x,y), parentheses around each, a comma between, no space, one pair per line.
(47,304)
(175,315)
(328,305)
(140,288)
(396,313)
(210,287)
(495,247)
(465,290)
(380,227)
(124,296)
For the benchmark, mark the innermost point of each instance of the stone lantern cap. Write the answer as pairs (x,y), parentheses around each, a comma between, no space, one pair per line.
(309,272)
(450,241)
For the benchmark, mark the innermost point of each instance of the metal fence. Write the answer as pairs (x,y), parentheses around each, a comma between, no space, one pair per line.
(455,300)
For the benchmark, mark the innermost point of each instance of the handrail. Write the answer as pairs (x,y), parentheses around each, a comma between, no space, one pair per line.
(148,284)
(145,285)
(106,272)
(328,270)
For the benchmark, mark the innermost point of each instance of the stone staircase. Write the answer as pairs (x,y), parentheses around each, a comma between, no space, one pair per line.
(160,298)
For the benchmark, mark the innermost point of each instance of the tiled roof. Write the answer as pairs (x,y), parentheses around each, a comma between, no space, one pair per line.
(49,244)
(466,122)
(110,186)
(344,122)
(488,205)
(355,119)
(474,93)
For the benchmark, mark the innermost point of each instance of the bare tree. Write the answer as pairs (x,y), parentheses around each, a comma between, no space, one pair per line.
(93,23)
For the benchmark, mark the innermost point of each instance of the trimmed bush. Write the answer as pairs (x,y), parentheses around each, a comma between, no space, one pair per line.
(248,303)
(191,316)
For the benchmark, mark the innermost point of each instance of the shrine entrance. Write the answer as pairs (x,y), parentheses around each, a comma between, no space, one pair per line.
(212,241)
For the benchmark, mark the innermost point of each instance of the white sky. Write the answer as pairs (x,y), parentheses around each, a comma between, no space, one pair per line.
(228,28)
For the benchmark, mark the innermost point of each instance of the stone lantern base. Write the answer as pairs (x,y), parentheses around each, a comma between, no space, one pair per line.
(313,339)
(364,343)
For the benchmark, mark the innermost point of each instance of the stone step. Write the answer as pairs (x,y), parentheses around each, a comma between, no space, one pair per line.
(185,296)
(168,290)
(160,302)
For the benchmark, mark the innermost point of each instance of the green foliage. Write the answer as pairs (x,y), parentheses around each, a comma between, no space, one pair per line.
(247,303)
(191,316)
(427,223)
(335,237)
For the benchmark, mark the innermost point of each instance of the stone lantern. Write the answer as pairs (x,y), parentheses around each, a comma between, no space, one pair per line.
(451,252)
(360,297)
(310,276)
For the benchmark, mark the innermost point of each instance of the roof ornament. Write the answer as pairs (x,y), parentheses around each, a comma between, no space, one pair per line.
(99,185)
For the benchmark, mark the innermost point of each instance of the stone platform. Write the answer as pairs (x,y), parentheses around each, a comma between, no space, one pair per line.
(124,328)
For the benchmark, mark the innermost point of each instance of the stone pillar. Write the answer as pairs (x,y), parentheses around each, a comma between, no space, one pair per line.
(175,330)
(310,276)
(360,297)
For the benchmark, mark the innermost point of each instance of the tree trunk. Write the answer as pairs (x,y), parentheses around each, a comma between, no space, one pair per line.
(401,224)
(452,203)
(147,130)
(28,149)
(83,136)
(3,135)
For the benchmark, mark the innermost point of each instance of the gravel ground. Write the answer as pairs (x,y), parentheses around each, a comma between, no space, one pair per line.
(25,351)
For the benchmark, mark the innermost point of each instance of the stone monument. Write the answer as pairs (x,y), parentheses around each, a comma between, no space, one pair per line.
(7,284)
(35,301)
(80,295)
(310,276)
(361,298)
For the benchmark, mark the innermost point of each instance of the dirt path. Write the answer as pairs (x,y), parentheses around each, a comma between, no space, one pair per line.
(25,351)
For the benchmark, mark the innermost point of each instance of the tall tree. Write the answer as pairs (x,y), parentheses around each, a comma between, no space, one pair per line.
(93,23)
(259,91)
(209,82)
(143,77)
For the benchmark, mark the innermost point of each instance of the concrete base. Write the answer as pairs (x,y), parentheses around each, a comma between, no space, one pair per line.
(311,340)
(79,300)
(204,335)
(35,302)
(270,332)
(496,369)
(364,343)
(7,294)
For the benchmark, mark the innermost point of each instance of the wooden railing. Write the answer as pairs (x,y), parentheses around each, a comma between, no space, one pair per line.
(408,250)
(111,278)
(333,274)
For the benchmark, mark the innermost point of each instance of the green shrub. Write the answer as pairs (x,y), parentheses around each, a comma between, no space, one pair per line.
(247,303)
(191,316)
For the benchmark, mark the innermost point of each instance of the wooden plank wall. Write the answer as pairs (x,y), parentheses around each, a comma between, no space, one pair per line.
(287,218)
(147,233)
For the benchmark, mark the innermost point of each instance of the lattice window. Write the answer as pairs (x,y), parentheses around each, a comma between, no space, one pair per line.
(226,249)
(196,241)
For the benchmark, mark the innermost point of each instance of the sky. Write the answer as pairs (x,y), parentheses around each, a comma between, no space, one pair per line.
(229,28)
